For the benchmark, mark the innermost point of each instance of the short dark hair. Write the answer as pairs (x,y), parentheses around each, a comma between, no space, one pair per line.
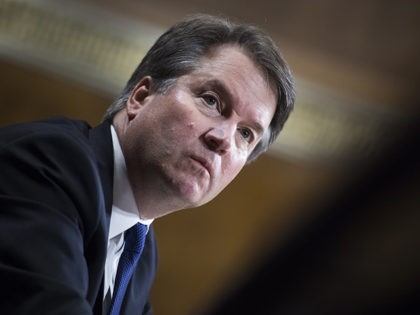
(178,52)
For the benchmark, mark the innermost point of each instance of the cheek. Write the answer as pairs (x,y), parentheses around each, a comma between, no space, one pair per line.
(231,168)
(181,126)
(228,174)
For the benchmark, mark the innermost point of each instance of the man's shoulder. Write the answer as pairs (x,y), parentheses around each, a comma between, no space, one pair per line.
(57,139)
(60,130)
(56,152)
(58,124)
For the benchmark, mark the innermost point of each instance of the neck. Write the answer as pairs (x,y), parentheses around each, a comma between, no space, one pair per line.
(155,203)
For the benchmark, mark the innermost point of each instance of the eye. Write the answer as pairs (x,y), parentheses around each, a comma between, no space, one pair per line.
(246,134)
(212,101)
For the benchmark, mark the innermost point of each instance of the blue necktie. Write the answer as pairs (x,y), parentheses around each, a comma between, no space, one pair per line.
(134,241)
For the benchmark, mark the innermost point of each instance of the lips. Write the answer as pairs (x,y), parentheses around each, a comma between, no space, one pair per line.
(204,163)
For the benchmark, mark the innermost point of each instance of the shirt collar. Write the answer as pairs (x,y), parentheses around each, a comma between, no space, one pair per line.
(124,209)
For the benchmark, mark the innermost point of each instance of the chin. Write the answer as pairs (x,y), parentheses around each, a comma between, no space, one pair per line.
(190,191)
(191,195)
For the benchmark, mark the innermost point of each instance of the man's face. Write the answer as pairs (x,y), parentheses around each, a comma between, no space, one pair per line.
(184,146)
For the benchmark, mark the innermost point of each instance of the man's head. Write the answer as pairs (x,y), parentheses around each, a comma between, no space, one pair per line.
(179,51)
(207,99)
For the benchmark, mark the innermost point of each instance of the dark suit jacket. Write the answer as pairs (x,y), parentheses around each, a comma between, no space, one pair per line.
(56,179)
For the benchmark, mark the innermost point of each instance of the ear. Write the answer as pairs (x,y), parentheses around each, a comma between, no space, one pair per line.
(138,97)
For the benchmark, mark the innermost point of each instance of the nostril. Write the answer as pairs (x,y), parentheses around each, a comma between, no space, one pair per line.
(216,140)
(213,144)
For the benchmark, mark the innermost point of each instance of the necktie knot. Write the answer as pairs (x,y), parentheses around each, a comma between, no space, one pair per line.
(134,238)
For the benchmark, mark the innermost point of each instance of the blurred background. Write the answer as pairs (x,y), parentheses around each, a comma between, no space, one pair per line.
(328,221)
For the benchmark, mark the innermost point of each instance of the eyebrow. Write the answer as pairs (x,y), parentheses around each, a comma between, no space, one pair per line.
(224,91)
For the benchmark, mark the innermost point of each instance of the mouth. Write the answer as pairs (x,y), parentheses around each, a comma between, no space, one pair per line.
(204,163)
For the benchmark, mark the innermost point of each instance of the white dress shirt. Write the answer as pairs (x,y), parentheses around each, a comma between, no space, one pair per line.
(124,215)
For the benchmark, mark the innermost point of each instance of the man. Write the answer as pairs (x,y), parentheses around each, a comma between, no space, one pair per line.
(206,99)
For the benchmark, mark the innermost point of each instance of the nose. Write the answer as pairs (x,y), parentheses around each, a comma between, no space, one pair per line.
(218,139)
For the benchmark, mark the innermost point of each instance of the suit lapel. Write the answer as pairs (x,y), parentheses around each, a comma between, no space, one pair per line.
(101,142)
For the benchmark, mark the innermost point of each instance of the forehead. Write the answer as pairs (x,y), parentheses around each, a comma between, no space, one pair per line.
(231,63)
(229,59)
